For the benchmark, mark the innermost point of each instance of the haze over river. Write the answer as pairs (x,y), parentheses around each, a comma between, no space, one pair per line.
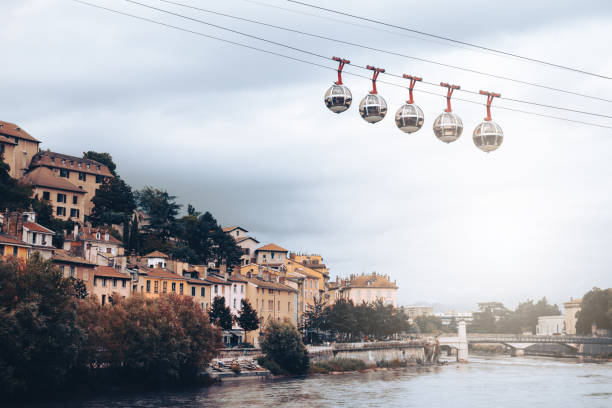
(496,381)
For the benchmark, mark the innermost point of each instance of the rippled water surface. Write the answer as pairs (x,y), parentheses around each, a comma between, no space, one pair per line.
(484,382)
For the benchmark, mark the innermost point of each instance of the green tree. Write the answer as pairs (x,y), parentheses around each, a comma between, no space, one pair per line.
(79,288)
(525,317)
(283,349)
(315,318)
(341,318)
(220,315)
(247,318)
(39,337)
(13,196)
(103,158)
(429,324)
(596,308)
(114,203)
(162,210)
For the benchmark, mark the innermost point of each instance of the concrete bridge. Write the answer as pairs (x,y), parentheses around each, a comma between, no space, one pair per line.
(517,343)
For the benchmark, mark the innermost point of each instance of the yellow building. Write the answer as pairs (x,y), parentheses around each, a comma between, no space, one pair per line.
(153,282)
(67,200)
(87,175)
(273,301)
(309,286)
(17,148)
(314,263)
(11,246)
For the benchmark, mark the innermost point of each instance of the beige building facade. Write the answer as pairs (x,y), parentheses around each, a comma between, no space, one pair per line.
(17,147)
(571,315)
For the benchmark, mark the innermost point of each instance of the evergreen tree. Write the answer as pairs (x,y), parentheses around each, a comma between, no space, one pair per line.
(103,158)
(114,203)
(13,196)
(247,318)
(220,315)
(162,209)
(283,349)
(596,308)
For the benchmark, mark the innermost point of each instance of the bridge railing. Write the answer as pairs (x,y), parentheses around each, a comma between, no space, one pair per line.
(510,338)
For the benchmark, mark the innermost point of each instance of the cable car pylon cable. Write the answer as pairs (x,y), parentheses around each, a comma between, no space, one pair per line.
(440,37)
(397,54)
(288,57)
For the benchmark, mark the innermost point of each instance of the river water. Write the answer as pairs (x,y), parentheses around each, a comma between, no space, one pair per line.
(497,381)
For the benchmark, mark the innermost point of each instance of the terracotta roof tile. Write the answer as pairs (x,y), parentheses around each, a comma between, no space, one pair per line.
(32,226)
(11,129)
(244,238)
(62,256)
(110,272)
(156,254)
(62,161)
(269,285)
(371,281)
(11,240)
(43,177)
(162,273)
(214,279)
(6,140)
(90,234)
(198,282)
(229,229)
(272,248)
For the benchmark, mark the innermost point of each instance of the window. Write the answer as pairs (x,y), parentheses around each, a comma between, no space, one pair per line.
(34,238)
(234,303)
(202,291)
(262,305)
(114,282)
(216,289)
(165,287)
(64,173)
(148,286)
(270,291)
(104,282)
(99,179)
(72,271)
(82,176)
(61,198)
(74,213)
(85,275)
(270,305)
(234,288)
(103,299)
(193,291)
(241,288)
(173,287)
(278,306)
(181,288)
(272,255)
(95,281)
(123,283)
(46,195)
(60,211)
(156,287)
(75,200)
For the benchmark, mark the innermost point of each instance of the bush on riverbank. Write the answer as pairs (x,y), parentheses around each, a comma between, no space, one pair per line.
(339,365)
(52,342)
(391,363)
(284,351)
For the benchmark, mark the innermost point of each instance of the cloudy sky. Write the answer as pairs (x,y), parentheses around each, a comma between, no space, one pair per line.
(246,136)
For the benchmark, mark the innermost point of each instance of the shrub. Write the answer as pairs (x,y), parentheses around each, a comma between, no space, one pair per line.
(339,365)
(235,369)
(282,345)
(391,363)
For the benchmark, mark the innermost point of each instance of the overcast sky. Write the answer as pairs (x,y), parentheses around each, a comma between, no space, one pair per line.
(246,135)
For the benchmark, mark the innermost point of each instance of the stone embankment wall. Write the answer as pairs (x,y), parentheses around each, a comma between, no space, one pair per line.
(368,354)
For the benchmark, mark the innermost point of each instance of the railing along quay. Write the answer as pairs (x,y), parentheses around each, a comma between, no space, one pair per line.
(505,338)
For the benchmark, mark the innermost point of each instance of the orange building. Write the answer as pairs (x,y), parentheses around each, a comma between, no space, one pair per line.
(17,148)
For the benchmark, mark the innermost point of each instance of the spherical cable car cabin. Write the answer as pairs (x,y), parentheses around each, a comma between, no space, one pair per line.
(373,107)
(338,97)
(409,117)
(488,135)
(448,127)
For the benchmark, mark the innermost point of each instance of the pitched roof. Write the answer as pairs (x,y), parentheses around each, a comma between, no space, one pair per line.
(236,278)
(371,281)
(62,161)
(198,282)
(90,233)
(4,139)
(269,285)
(11,129)
(156,254)
(230,229)
(110,272)
(43,177)
(305,270)
(32,226)
(214,279)
(272,248)
(244,238)
(63,256)
(163,274)
(11,240)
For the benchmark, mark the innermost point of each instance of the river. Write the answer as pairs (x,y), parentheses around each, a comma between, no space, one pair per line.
(496,381)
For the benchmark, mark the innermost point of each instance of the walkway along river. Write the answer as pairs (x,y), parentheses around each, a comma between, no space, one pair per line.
(498,381)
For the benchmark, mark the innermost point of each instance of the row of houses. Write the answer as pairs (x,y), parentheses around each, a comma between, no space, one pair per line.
(279,284)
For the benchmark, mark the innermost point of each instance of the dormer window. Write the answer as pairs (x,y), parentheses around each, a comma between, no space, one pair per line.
(63,161)
(106,236)
(71,163)
(88,165)
(97,235)
(99,168)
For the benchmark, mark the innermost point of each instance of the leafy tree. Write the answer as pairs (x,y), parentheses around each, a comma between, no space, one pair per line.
(525,317)
(283,349)
(13,196)
(429,324)
(247,318)
(103,158)
(315,318)
(341,318)
(39,338)
(483,322)
(114,203)
(220,315)
(162,210)
(79,288)
(596,308)
(452,326)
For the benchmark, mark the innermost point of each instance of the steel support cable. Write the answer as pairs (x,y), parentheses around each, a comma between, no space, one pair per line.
(327,58)
(319,65)
(398,54)
(440,37)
